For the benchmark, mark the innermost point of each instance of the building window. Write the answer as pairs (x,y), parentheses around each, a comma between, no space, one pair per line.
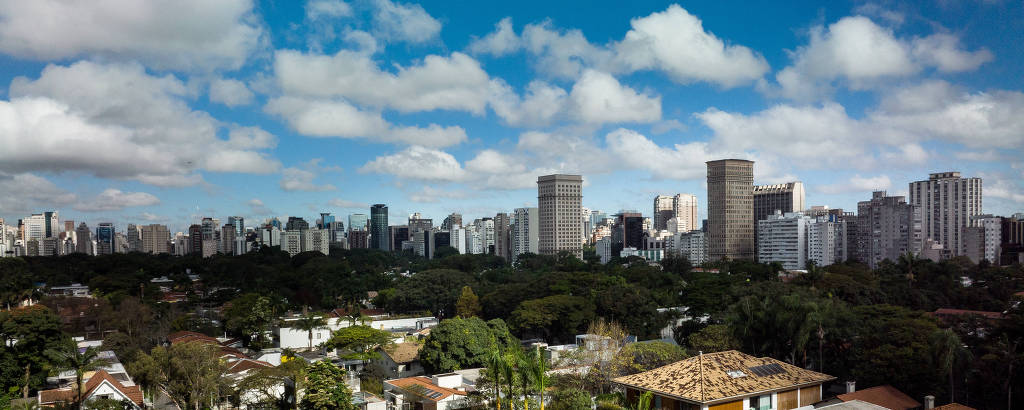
(763,402)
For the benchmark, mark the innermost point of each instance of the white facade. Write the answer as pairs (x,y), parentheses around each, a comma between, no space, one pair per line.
(474,240)
(993,237)
(691,245)
(948,203)
(35,226)
(457,239)
(525,231)
(685,206)
(293,338)
(826,241)
(603,247)
(783,238)
(291,242)
(318,240)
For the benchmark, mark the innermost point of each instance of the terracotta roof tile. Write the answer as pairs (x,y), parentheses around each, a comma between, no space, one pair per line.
(885,396)
(412,384)
(132,392)
(247,364)
(66,394)
(715,376)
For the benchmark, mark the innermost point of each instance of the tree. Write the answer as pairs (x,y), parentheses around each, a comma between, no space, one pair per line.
(641,357)
(249,316)
(950,350)
(36,329)
(463,343)
(538,371)
(310,322)
(556,318)
(70,358)
(264,384)
(190,373)
(571,399)
(325,388)
(358,342)
(494,362)
(711,339)
(435,290)
(468,304)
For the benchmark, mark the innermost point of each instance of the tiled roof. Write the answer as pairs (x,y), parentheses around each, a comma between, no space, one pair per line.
(242,365)
(132,392)
(425,387)
(885,396)
(954,406)
(403,352)
(715,376)
(66,394)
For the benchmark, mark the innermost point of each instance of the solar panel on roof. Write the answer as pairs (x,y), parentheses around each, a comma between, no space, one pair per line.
(435,395)
(767,369)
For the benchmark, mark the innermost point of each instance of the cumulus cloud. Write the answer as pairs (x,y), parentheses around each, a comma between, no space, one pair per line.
(116,121)
(404,22)
(599,98)
(164,34)
(429,194)
(337,118)
(230,92)
(540,105)
(317,9)
(113,199)
(344,203)
(858,184)
(417,163)
(502,41)
(860,53)
(682,161)
(25,193)
(256,207)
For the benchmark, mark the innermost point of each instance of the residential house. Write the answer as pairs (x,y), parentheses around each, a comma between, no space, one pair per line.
(728,380)
(438,392)
(98,385)
(295,338)
(885,396)
(400,360)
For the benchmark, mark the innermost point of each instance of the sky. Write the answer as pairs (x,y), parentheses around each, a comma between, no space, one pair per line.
(168,111)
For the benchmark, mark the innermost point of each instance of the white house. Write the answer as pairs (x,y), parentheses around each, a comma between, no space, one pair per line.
(294,338)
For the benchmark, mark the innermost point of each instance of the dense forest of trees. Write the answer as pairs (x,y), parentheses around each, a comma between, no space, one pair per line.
(847,320)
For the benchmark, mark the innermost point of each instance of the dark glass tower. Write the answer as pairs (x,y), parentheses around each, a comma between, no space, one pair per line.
(379,238)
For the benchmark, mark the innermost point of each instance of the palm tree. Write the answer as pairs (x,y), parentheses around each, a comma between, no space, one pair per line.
(81,361)
(538,370)
(310,322)
(524,365)
(495,362)
(908,261)
(508,369)
(950,349)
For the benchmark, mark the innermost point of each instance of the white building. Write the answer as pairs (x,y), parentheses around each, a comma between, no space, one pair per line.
(560,200)
(691,245)
(603,247)
(318,240)
(948,203)
(525,232)
(474,239)
(783,238)
(40,226)
(294,338)
(826,241)
(291,242)
(457,238)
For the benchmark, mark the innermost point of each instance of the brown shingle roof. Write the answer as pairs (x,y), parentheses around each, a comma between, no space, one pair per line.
(132,392)
(403,352)
(66,395)
(706,378)
(885,396)
(242,365)
(412,384)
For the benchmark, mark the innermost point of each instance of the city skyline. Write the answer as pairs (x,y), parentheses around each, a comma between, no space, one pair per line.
(305,107)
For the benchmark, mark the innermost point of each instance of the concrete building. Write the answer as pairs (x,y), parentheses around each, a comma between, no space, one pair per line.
(730,209)
(195,239)
(134,237)
(783,239)
(503,236)
(154,239)
(451,221)
(887,227)
(105,238)
(316,240)
(664,210)
(826,240)
(359,239)
(603,248)
(982,240)
(379,238)
(560,199)
(457,239)
(525,232)
(628,231)
(398,235)
(786,198)
(83,239)
(40,226)
(685,206)
(947,202)
(296,223)
(291,242)
(1011,243)
(691,245)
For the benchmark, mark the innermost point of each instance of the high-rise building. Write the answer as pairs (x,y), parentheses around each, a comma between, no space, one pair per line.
(451,221)
(785,198)
(195,239)
(155,238)
(379,227)
(525,231)
(134,237)
(783,240)
(296,224)
(227,237)
(40,226)
(325,220)
(503,236)
(664,209)
(628,231)
(83,239)
(417,223)
(982,240)
(105,238)
(559,200)
(691,245)
(826,240)
(948,202)
(730,209)
(887,227)
(358,222)
(1011,240)
(685,207)
(359,239)
(399,234)
(457,239)
(291,242)
(316,240)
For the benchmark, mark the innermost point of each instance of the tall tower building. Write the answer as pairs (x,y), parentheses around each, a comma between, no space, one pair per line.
(730,209)
(664,209)
(451,221)
(358,222)
(134,238)
(503,236)
(105,238)
(379,227)
(195,239)
(887,227)
(560,201)
(948,202)
(525,231)
(685,207)
(83,239)
(785,198)
(40,226)
(155,239)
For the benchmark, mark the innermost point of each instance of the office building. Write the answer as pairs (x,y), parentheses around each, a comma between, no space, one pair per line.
(134,238)
(316,240)
(785,198)
(40,226)
(603,248)
(826,240)
(887,227)
(379,227)
(419,223)
(325,220)
(399,234)
(358,222)
(83,239)
(691,245)
(947,202)
(559,200)
(628,231)
(457,239)
(296,224)
(359,239)
(503,236)
(783,239)
(451,221)
(525,231)
(291,242)
(664,209)
(105,238)
(685,206)
(154,239)
(983,238)
(195,239)
(1011,240)
(730,209)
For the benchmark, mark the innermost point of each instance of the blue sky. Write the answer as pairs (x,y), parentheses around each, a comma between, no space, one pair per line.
(147,112)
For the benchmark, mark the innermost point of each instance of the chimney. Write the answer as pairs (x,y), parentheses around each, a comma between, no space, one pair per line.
(929,402)
(851,386)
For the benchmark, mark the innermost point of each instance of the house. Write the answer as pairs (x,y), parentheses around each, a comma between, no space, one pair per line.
(76,290)
(728,380)
(885,396)
(400,360)
(295,338)
(438,392)
(227,346)
(368,401)
(848,405)
(99,385)
(112,367)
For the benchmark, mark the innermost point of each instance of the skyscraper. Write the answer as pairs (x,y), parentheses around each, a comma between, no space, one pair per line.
(685,207)
(502,236)
(948,202)
(785,198)
(664,209)
(379,227)
(105,238)
(887,227)
(155,239)
(730,209)
(451,221)
(134,238)
(783,239)
(559,200)
(357,222)
(296,224)
(83,239)
(525,232)
(40,226)
(195,239)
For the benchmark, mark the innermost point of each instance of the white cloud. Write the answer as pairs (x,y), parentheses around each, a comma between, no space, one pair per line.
(404,22)
(493,162)
(116,121)
(25,193)
(256,207)
(163,34)
(599,98)
(337,118)
(502,41)
(858,184)
(675,42)
(418,163)
(430,194)
(230,92)
(113,199)
(344,203)
(861,53)
(542,104)
(562,54)
(316,9)
(662,127)
(150,217)
(456,82)
(632,150)
(296,179)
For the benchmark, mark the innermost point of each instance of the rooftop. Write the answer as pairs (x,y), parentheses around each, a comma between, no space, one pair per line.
(424,387)
(715,376)
(885,396)
(403,352)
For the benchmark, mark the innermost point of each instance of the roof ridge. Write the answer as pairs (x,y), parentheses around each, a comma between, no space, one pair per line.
(701,359)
